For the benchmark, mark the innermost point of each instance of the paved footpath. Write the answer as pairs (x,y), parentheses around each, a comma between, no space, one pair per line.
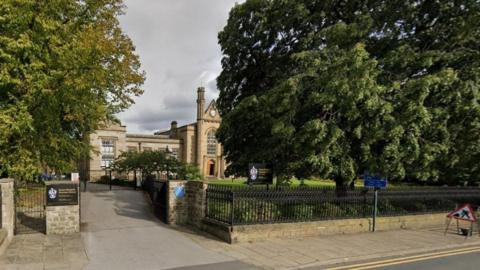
(38,251)
(329,251)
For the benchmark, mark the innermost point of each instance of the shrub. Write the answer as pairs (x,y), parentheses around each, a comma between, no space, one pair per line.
(188,171)
(329,211)
(104,179)
(255,211)
(298,211)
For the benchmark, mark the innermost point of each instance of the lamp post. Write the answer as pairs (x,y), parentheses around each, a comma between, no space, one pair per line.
(156,169)
(135,179)
(169,154)
(108,172)
(110,176)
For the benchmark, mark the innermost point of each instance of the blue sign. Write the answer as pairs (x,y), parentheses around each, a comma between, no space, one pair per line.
(179,192)
(374,181)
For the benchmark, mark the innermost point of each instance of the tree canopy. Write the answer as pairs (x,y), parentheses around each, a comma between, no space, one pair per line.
(336,88)
(65,67)
(149,162)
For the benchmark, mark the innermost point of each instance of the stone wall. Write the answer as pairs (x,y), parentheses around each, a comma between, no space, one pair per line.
(196,201)
(261,232)
(8,212)
(177,203)
(63,219)
(188,208)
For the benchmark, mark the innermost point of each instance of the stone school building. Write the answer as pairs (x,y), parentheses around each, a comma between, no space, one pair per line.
(194,143)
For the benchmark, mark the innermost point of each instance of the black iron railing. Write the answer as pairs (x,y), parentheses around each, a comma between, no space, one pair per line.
(30,202)
(254,205)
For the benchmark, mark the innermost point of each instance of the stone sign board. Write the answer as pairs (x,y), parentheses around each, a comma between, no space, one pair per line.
(62,194)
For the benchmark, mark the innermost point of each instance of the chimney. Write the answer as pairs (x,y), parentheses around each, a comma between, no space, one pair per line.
(200,102)
(173,129)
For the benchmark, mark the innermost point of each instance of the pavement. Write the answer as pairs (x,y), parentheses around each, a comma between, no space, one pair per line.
(336,250)
(39,251)
(119,231)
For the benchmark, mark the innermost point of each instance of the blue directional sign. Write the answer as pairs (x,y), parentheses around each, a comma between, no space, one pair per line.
(374,181)
(179,192)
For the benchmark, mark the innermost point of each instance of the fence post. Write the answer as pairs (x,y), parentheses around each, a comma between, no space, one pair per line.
(206,202)
(375,200)
(364,203)
(232,202)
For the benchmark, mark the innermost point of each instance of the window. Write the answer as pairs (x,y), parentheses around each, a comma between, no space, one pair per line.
(108,152)
(174,153)
(211,143)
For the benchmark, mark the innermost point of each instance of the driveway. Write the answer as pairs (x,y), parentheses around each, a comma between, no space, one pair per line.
(119,231)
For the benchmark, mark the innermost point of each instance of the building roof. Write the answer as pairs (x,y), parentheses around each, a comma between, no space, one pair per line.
(167,132)
(130,135)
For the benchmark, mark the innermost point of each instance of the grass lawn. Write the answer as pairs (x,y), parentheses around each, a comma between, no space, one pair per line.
(294,182)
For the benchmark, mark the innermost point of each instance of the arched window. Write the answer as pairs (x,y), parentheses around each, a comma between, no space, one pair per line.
(211,143)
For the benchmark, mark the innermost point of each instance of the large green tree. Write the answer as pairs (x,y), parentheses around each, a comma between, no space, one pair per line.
(65,67)
(335,88)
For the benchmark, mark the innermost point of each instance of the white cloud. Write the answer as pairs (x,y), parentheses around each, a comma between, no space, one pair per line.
(178,47)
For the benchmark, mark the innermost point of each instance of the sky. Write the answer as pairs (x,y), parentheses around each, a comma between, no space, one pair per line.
(178,48)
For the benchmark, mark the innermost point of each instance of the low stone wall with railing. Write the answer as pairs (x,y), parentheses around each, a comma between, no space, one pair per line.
(259,205)
(244,214)
(254,213)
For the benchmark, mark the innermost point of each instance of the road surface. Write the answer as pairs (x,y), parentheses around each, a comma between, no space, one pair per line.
(458,259)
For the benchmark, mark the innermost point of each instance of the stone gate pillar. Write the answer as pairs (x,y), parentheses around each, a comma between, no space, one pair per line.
(63,208)
(7,212)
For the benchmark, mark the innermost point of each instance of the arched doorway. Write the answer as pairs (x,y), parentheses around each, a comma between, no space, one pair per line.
(211,168)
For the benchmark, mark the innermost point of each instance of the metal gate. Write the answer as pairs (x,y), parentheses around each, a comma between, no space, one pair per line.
(160,200)
(30,208)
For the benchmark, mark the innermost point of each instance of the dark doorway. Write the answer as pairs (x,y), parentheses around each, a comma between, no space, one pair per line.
(211,168)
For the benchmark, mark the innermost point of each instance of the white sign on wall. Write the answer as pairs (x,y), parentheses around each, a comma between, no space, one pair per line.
(75,177)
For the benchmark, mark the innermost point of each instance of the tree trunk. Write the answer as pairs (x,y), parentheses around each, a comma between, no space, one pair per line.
(352,184)
(341,186)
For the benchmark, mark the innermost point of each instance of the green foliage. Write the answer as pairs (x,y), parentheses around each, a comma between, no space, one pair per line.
(105,179)
(189,172)
(219,209)
(256,211)
(299,211)
(329,89)
(149,162)
(65,67)
(329,210)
